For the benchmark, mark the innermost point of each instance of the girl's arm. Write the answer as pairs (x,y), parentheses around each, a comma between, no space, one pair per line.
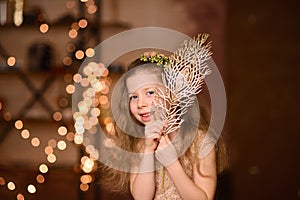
(142,182)
(203,185)
(142,179)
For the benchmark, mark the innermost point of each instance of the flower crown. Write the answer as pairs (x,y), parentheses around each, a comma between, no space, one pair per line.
(155,57)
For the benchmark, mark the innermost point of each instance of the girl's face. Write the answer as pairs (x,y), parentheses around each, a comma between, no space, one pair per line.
(141,102)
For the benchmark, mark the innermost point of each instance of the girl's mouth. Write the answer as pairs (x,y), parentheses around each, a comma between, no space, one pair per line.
(146,117)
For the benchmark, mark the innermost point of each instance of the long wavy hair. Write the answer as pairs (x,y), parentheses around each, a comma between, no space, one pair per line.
(129,133)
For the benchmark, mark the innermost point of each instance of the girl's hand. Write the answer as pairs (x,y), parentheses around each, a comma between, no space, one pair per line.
(152,135)
(166,153)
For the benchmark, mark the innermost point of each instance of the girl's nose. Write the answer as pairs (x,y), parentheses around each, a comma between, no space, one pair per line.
(142,102)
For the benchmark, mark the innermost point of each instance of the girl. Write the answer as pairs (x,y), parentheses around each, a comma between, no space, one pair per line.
(166,166)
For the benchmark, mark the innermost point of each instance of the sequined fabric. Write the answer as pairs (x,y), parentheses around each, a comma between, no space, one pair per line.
(166,190)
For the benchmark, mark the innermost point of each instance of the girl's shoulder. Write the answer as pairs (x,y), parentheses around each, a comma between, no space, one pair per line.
(203,143)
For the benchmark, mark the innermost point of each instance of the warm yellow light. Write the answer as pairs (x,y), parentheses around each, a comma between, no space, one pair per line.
(67,61)
(84,187)
(40,178)
(78,139)
(51,158)
(25,134)
(57,116)
(107,120)
(62,130)
(35,142)
(70,136)
(52,143)
(84,159)
(31,189)
(91,92)
(70,47)
(103,99)
(70,89)
(70,4)
(19,124)
(68,77)
(79,54)
(73,33)
(63,102)
(86,178)
(77,78)
(84,82)
(89,148)
(106,106)
(1,106)
(75,26)
(105,72)
(11,185)
(83,23)
(61,145)
(44,28)
(92,9)
(110,128)
(89,52)
(43,168)
(48,150)
(2,181)
(93,121)
(11,61)
(7,116)
(105,90)
(95,112)
(20,197)
(88,165)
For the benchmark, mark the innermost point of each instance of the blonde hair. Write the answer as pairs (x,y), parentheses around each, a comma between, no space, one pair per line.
(118,181)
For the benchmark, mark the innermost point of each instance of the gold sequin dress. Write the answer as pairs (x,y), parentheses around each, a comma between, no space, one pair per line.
(165,189)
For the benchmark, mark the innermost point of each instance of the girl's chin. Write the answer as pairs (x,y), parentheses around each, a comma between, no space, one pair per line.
(145,122)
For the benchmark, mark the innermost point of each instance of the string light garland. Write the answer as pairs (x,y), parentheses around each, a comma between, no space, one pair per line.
(87,162)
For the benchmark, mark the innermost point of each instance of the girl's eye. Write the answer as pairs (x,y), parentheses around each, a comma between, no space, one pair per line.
(150,92)
(132,97)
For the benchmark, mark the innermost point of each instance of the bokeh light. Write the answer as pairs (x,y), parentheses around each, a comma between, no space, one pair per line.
(67,61)
(61,145)
(19,124)
(62,130)
(43,168)
(52,143)
(70,136)
(7,116)
(2,181)
(40,178)
(57,116)
(86,179)
(73,33)
(31,188)
(89,52)
(84,187)
(70,89)
(25,134)
(79,54)
(11,185)
(11,61)
(51,158)
(48,150)
(35,142)
(44,28)
(20,197)
(82,23)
